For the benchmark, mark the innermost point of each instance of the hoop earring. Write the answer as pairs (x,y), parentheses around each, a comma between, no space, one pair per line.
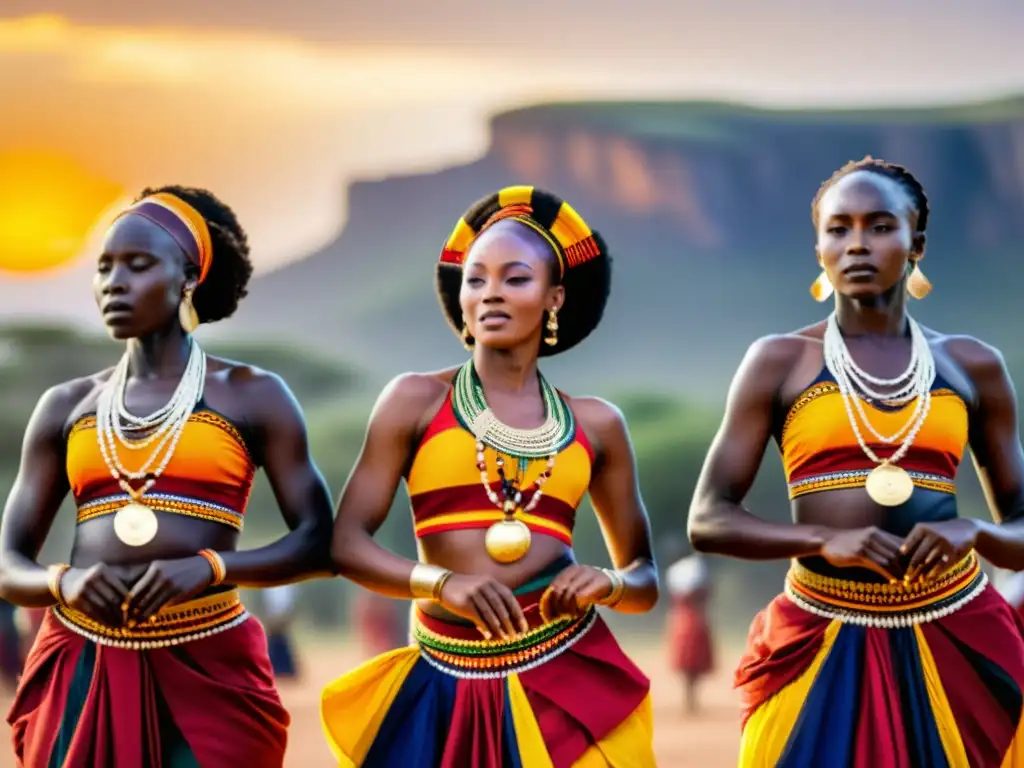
(918,285)
(187,315)
(552,326)
(467,340)
(821,289)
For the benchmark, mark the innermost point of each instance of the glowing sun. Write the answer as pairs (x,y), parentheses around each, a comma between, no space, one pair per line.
(49,205)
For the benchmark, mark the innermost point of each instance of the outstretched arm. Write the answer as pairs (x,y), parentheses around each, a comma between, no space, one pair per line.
(300,491)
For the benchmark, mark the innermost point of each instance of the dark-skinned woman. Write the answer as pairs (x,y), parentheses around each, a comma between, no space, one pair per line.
(148,657)
(511,666)
(888,648)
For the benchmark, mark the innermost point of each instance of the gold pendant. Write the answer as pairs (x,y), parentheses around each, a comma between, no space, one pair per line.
(507,540)
(889,485)
(135,524)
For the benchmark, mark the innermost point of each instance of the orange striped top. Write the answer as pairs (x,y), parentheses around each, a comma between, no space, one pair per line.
(820,451)
(209,476)
(446,491)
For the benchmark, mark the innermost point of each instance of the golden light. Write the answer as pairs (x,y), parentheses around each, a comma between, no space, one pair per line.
(49,206)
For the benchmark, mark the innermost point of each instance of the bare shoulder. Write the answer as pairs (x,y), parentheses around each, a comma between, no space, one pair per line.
(417,389)
(775,355)
(72,399)
(971,353)
(602,421)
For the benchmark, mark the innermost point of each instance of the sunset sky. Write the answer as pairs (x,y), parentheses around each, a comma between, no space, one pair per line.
(276,106)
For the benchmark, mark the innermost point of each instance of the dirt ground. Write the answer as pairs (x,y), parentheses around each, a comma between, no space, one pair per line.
(707,740)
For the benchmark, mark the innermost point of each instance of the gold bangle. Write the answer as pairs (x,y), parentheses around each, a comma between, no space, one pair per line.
(220,571)
(426,581)
(53,576)
(618,588)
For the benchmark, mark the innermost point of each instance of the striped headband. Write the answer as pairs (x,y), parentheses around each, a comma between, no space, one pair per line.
(554,219)
(182,222)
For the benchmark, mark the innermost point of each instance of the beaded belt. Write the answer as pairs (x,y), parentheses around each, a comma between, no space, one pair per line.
(479,659)
(898,604)
(174,625)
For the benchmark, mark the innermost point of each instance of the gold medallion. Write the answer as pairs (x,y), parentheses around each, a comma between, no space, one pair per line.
(889,485)
(508,540)
(135,524)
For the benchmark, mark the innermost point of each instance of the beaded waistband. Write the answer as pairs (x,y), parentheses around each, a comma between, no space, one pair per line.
(856,478)
(174,625)
(888,605)
(478,659)
(164,502)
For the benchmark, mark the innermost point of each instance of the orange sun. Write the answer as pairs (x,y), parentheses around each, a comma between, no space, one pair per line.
(49,205)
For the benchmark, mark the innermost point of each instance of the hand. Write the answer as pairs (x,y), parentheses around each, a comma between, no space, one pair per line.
(487,603)
(870,548)
(934,547)
(167,581)
(96,592)
(573,590)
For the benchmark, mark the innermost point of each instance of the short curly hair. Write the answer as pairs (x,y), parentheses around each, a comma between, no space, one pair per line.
(217,297)
(586,278)
(899,174)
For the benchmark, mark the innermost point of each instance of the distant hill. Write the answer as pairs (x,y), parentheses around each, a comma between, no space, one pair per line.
(706,207)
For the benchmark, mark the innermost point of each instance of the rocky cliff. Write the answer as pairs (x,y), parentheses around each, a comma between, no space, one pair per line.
(706,207)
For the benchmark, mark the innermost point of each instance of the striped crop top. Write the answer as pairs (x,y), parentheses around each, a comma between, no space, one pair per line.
(820,451)
(446,492)
(209,476)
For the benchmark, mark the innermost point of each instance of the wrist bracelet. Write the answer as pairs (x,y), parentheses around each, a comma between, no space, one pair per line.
(618,588)
(427,581)
(216,562)
(53,576)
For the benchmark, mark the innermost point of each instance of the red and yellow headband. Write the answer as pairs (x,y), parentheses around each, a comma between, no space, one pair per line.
(554,219)
(182,222)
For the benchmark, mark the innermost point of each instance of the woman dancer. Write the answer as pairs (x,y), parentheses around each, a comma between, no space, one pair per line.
(888,647)
(148,657)
(512,666)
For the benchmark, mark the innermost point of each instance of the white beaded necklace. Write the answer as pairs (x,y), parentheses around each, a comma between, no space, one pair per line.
(887,484)
(165,425)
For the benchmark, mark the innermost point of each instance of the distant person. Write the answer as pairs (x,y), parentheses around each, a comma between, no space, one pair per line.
(10,647)
(691,652)
(278,618)
(148,656)
(380,625)
(888,646)
(513,666)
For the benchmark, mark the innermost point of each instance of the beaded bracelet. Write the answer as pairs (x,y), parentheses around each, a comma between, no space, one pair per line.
(216,562)
(618,588)
(53,576)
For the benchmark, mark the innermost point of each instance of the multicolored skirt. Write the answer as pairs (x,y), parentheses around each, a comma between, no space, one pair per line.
(193,688)
(564,694)
(848,674)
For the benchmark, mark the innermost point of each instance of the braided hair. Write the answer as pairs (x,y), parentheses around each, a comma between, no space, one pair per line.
(217,297)
(897,173)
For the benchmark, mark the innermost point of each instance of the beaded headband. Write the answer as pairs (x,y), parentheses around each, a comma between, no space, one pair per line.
(182,222)
(554,219)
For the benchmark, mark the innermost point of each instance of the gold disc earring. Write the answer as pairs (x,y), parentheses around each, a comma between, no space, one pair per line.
(467,339)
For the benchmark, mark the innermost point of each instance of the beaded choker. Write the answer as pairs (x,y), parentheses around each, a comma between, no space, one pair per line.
(470,406)
(509,539)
